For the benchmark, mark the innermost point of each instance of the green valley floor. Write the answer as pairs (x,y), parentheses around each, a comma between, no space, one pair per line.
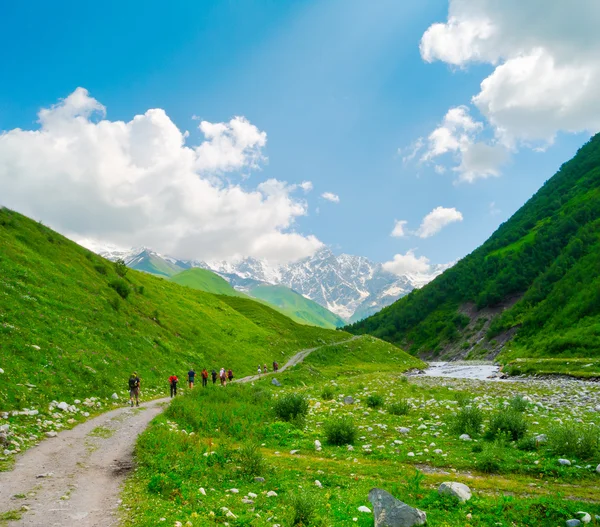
(349,419)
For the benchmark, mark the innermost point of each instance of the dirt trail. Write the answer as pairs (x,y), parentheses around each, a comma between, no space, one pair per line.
(295,359)
(87,466)
(83,468)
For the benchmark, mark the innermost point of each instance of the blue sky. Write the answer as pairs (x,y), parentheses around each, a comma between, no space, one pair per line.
(339,86)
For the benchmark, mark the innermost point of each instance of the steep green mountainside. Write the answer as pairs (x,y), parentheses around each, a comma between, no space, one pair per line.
(300,307)
(532,289)
(205,280)
(71,327)
(154,264)
(281,298)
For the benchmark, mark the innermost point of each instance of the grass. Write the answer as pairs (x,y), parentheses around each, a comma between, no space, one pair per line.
(196,444)
(101,431)
(583,368)
(67,334)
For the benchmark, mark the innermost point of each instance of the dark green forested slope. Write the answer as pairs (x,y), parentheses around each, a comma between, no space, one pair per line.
(537,278)
(71,327)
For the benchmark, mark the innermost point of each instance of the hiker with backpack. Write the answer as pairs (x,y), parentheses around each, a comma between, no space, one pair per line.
(265,368)
(259,370)
(230,375)
(204,378)
(134,389)
(223,377)
(191,377)
(275,366)
(173,380)
(214,376)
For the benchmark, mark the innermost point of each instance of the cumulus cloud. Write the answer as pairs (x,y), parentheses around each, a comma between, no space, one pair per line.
(330,196)
(457,135)
(436,220)
(138,183)
(545,58)
(408,263)
(399,230)
(306,186)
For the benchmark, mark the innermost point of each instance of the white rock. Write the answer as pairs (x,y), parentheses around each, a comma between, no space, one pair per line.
(202,491)
(565,462)
(114,396)
(362,508)
(598,469)
(317,445)
(252,495)
(403,430)
(233,491)
(453,488)
(52,433)
(63,406)
(411,454)
(318,483)
(1,370)
(293,452)
(584,517)
(271,494)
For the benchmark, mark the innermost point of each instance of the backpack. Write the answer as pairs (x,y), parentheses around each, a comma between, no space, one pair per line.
(133,382)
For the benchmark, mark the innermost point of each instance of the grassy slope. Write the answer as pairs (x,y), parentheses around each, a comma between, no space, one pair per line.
(205,280)
(301,307)
(55,295)
(547,254)
(511,486)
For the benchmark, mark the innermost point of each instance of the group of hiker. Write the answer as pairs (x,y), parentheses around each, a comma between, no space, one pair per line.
(224,376)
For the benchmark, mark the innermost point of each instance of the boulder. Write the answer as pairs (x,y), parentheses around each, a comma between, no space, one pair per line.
(453,488)
(584,517)
(114,396)
(564,462)
(541,439)
(390,512)
(348,400)
(275,382)
(318,445)
(63,406)
(51,434)
(465,437)
(573,523)
(598,469)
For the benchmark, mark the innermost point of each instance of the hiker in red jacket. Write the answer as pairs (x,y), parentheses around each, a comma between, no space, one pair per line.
(173,380)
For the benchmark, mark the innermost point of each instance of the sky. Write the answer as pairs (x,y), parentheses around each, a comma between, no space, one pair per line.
(406,132)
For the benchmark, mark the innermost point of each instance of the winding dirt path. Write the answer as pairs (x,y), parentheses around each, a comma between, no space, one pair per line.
(74,479)
(295,359)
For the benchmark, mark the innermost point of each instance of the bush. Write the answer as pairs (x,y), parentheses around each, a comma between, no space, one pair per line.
(121,268)
(468,420)
(476,448)
(100,268)
(507,423)
(340,431)
(251,460)
(575,440)
(374,401)
(121,287)
(401,407)
(463,398)
(291,407)
(328,393)
(302,511)
(490,459)
(518,404)
(527,444)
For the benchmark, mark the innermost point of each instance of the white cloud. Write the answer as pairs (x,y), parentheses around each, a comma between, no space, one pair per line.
(408,263)
(399,230)
(330,196)
(545,58)
(457,135)
(138,183)
(411,152)
(306,186)
(436,220)
(494,210)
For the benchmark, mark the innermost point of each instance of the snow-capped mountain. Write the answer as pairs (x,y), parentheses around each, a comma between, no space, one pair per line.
(352,287)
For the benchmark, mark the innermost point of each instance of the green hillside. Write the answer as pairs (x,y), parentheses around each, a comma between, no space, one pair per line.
(303,309)
(535,283)
(71,327)
(205,280)
(153,264)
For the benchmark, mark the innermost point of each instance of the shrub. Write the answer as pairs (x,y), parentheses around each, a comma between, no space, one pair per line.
(374,401)
(302,511)
(476,448)
(490,459)
(507,422)
(340,431)
(328,393)
(291,407)
(527,444)
(121,268)
(121,287)
(401,407)
(251,460)
(100,268)
(463,398)
(140,289)
(576,440)
(518,404)
(468,420)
